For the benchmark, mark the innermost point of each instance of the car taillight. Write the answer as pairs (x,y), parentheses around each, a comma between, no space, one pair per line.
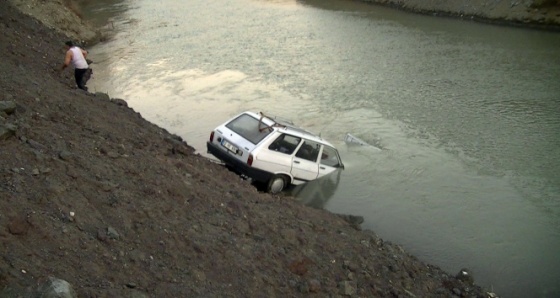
(211,136)
(250,160)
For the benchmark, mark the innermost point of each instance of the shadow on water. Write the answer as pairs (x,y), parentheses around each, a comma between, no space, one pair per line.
(101,12)
(105,15)
(317,193)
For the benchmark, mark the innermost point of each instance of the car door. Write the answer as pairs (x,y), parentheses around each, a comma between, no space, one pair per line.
(278,156)
(305,164)
(330,161)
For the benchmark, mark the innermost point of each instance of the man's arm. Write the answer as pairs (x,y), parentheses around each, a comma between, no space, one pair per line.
(84,52)
(67,60)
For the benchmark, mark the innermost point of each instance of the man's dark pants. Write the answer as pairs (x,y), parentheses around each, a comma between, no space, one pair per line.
(79,76)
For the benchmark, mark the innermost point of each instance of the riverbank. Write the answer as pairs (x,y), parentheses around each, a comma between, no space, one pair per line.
(536,14)
(93,194)
(62,16)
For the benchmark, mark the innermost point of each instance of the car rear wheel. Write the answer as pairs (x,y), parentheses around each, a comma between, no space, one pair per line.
(277,183)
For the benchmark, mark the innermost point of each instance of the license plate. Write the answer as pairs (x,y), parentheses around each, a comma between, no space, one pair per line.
(229,146)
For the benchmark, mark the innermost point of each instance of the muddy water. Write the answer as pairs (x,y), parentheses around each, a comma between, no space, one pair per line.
(464,118)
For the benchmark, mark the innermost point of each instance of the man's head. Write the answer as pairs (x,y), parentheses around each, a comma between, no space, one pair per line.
(69,44)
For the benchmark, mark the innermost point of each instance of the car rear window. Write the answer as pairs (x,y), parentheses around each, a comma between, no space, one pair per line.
(248,127)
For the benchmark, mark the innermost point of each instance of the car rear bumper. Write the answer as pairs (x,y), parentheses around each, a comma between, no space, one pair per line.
(238,166)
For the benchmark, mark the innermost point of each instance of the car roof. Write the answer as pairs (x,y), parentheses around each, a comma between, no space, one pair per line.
(285,126)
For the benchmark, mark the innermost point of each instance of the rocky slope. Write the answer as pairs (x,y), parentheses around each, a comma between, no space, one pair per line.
(540,14)
(62,16)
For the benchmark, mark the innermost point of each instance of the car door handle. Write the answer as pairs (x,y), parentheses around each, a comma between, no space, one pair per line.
(296,161)
(322,168)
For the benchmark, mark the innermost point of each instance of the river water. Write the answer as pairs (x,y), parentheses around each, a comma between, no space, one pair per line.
(464,118)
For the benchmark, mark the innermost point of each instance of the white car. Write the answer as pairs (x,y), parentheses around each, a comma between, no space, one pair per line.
(271,151)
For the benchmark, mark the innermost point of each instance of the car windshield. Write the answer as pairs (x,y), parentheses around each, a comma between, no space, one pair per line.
(250,128)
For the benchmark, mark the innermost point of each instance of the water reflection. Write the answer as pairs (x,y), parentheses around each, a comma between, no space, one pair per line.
(317,193)
(104,14)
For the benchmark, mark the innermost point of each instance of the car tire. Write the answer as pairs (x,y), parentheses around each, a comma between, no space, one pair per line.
(277,184)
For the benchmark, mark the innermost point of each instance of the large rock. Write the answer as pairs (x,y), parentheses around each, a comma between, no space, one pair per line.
(7,107)
(466,276)
(103,96)
(6,131)
(56,288)
(348,288)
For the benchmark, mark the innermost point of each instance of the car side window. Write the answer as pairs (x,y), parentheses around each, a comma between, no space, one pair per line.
(309,151)
(329,157)
(285,144)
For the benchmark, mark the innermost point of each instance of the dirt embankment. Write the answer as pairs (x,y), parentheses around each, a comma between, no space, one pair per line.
(60,15)
(96,201)
(539,14)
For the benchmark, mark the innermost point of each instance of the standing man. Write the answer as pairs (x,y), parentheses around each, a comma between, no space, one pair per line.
(76,56)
